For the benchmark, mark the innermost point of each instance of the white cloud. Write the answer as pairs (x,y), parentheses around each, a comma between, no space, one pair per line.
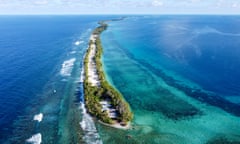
(219,3)
(195,1)
(157,3)
(41,2)
(234,5)
(120,6)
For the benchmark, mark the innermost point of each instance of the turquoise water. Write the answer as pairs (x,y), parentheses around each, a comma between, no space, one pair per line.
(180,75)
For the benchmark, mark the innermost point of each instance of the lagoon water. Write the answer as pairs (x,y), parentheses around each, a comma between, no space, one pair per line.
(180,74)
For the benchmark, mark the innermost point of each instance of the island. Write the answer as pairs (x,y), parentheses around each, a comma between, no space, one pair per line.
(102,100)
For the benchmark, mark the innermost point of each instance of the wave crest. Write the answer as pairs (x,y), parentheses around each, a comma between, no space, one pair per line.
(91,135)
(67,67)
(35,139)
(38,117)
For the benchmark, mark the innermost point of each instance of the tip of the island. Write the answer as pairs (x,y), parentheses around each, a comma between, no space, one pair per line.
(102,100)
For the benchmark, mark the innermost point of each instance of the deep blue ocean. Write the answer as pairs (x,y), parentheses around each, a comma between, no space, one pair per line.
(33,80)
(180,75)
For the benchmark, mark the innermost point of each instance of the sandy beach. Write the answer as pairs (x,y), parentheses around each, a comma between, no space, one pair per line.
(118,125)
(92,70)
(94,80)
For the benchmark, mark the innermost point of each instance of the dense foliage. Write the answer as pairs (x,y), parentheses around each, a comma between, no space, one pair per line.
(94,94)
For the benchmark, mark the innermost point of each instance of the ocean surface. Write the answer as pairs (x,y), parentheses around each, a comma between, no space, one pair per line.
(40,78)
(180,74)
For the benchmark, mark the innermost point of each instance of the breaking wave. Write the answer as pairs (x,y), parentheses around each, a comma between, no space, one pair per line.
(91,135)
(38,117)
(67,67)
(78,42)
(35,139)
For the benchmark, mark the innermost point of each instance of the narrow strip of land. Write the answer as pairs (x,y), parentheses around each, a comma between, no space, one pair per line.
(92,70)
(102,100)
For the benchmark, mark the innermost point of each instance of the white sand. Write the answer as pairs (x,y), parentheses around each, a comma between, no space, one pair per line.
(117,125)
(92,69)
(94,80)
(106,106)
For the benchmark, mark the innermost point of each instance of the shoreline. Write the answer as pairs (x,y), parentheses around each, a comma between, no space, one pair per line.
(117,125)
(102,100)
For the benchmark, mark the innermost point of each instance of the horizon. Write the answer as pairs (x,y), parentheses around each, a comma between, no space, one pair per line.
(119,7)
(167,14)
(111,72)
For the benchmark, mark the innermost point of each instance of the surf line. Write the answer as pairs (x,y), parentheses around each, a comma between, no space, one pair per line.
(102,100)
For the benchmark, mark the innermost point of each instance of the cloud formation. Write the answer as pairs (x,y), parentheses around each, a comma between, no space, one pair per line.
(41,2)
(119,6)
(157,3)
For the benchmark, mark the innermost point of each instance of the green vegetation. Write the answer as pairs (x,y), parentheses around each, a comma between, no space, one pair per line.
(94,94)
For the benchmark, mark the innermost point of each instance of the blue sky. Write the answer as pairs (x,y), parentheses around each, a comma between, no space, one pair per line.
(119,6)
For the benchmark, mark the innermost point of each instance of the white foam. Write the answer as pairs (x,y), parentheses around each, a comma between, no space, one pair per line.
(91,135)
(67,67)
(82,76)
(35,139)
(73,52)
(78,42)
(38,117)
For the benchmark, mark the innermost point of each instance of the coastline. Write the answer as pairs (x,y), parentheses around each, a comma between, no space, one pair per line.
(102,100)
(117,125)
